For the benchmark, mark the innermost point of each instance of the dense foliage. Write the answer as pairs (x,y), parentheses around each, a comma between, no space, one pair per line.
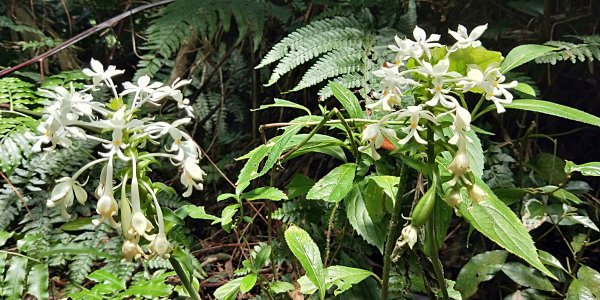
(248,149)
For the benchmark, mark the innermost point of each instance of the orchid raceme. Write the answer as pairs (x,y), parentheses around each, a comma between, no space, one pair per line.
(74,116)
(422,100)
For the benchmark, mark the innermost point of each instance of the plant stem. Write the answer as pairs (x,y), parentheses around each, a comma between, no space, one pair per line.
(310,134)
(329,229)
(393,232)
(435,259)
(187,284)
(430,227)
(349,131)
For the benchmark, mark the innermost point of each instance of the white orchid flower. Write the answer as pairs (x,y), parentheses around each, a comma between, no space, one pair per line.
(375,135)
(142,90)
(191,177)
(491,81)
(464,39)
(462,124)
(98,73)
(424,42)
(415,113)
(64,193)
(405,49)
(393,82)
(159,245)
(107,205)
(117,124)
(441,76)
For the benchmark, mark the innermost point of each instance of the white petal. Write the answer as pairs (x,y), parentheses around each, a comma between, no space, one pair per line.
(419,34)
(143,81)
(97,66)
(478,31)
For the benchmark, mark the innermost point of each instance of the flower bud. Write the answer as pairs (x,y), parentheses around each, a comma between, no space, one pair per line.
(409,236)
(460,164)
(476,194)
(454,198)
(131,251)
(140,224)
(160,246)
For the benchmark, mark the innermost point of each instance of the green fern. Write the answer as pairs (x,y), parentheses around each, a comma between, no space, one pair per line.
(589,50)
(174,23)
(342,46)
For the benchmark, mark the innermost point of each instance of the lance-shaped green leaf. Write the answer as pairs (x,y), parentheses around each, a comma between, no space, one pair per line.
(371,230)
(347,99)
(552,109)
(248,282)
(106,278)
(265,193)
(526,276)
(283,103)
(586,286)
(481,267)
(499,223)
(229,290)
(341,276)
(37,281)
(587,169)
(523,54)
(307,252)
(14,279)
(334,186)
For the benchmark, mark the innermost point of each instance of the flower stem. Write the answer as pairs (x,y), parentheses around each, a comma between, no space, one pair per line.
(393,233)
(329,229)
(433,256)
(430,228)
(187,284)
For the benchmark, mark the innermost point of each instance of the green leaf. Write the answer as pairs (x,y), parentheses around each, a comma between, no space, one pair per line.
(481,267)
(265,193)
(280,287)
(462,58)
(283,103)
(318,143)
(248,282)
(587,169)
(549,167)
(249,170)
(262,257)
(552,109)
(198,212)
(525,89)
(374,198)
(499,223)
(37,281)
(475,154)
(549,260)
(347,99)
(371,230)
(15,278)
(334,186)
(147,289)
(4,236)
(591,279)
(78,224)
(523,54)
(307,252)
(578,290)
(389,184)
(526,276)
(341,276)
(561,194)
(344,277)
(299,185)
(227,216)
(105,277)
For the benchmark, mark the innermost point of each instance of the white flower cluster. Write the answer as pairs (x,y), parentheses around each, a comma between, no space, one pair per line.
(70,112)
(423,69)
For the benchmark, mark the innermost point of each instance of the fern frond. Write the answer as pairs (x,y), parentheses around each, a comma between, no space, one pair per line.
(299,37)
(351,80)
(332,64)
(589,50)
(6,22)
(203,18)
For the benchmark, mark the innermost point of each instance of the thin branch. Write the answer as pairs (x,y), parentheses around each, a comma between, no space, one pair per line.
(16,192)
(82,35)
